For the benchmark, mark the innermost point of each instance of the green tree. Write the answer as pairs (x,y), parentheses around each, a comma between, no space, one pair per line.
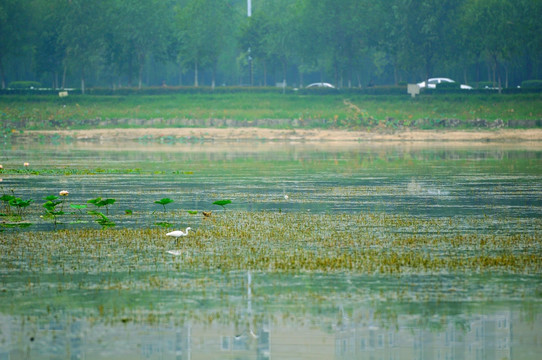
(251,41)
(498,21)
(425,28)
(82,35)
(49,52)
(386,33)
(137,30)
(344,38)
(15,31)
(203,27)
(280,39)
(529,35)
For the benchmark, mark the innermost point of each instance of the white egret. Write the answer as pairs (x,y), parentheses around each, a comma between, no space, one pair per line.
(175,252)
(178,233)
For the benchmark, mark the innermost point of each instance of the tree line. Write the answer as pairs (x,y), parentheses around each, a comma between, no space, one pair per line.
(350,43)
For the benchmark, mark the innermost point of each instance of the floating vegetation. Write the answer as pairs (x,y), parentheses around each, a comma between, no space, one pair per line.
(288,242)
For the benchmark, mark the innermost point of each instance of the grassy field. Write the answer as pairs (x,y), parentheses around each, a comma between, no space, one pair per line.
(22,112)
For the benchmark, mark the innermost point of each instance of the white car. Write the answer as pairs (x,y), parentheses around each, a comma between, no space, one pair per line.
(321,84)
(434,81)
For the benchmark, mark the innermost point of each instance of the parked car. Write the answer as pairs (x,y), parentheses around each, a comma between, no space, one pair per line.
(432,83)
(321,84)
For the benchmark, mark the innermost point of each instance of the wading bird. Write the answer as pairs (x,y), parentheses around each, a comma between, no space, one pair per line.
(175,252)
(178,233)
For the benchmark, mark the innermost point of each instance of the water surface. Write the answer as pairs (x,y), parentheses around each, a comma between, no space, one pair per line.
(114,310)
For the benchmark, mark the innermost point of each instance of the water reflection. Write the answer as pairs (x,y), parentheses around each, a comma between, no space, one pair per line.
(498,331)
(440,180)
(83,153)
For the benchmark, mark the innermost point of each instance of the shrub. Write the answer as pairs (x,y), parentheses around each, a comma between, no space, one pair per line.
(24,85)
(448,85)
(531,84)
(185,90)
(486,85)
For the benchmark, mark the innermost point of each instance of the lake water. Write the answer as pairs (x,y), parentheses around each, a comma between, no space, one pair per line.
(122,311)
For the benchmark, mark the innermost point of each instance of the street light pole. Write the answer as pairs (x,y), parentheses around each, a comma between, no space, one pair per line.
(249,14)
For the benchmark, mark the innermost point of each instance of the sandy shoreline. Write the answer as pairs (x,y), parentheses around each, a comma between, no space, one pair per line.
(318,135)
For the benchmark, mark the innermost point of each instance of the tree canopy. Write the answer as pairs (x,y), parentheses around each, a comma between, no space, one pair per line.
(99,43)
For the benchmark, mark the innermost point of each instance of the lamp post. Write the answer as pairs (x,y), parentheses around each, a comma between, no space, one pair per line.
(250,67)
(249,14)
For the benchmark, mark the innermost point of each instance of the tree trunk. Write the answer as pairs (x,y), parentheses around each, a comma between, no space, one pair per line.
(477,73)
(505,76)
(336,70)
(251,72)
(64,76)
(359,80)
(55,79)
(140,71)
(427,74)
(2,74)
(264,73)
(130,72)
(213,80)
(83,81)
(283,77)
(140,81)
(196,73)
(496,73)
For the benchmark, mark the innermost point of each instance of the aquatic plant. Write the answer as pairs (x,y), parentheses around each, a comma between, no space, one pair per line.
(13,209)
(164,202)
(6,208)
(222,203)
(102,219)
(50,208)
(79,208)
(20,205)
(163,224)
(18,224)
(98,202)
(294,242)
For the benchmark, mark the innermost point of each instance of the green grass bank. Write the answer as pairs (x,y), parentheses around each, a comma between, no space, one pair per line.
(271,110)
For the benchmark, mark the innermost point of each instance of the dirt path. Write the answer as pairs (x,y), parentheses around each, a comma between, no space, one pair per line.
(226,134)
